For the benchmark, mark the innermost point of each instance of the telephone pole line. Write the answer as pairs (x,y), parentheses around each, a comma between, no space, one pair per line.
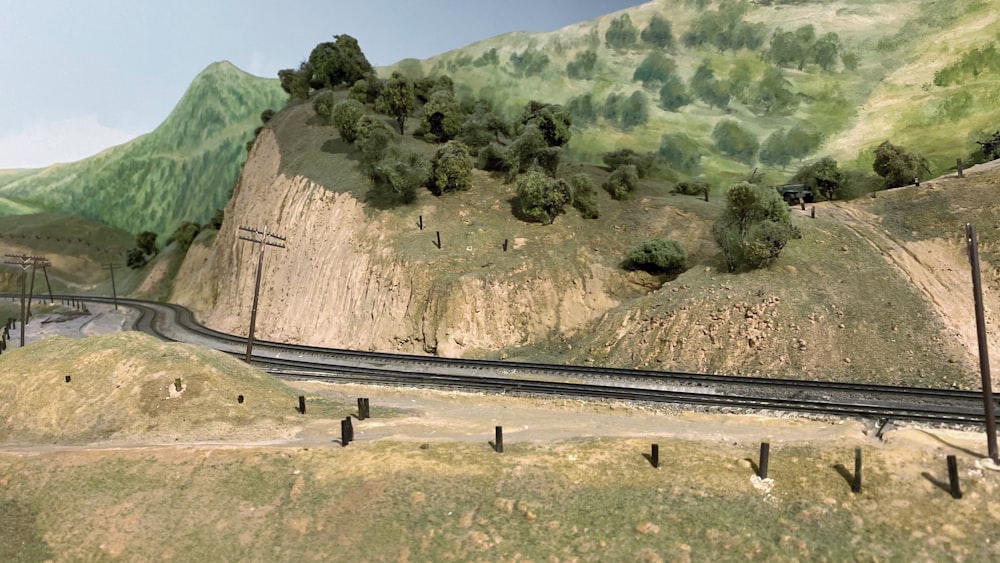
(114,292)
(264,238)
(24,261)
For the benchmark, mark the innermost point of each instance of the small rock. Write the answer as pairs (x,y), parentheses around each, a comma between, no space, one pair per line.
(847,360)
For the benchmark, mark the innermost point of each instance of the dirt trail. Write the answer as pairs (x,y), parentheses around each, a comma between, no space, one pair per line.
(938,268)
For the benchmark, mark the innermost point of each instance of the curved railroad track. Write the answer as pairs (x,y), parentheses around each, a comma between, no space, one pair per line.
(882,402)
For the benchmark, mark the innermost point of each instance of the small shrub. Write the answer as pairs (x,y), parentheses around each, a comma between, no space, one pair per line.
(643,162)
(323,105)
(622,182)
(345,116)
(451,168)
(697,188)
(657,256)
(584,193)
(540,197)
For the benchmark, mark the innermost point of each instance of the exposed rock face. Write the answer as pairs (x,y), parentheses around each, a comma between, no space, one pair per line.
(340,282)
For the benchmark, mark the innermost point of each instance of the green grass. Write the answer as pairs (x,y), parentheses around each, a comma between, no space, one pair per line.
(595,500)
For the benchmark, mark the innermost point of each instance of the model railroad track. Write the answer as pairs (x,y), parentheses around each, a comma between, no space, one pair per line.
(175,323)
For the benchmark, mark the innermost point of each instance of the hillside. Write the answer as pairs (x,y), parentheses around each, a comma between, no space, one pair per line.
(877,82)
(832,307)
(182,171)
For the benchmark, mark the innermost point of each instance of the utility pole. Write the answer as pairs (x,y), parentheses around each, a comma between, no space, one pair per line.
(262,237)
(45,263)
(24,261)
(114,292)
(984,356)
(37,261)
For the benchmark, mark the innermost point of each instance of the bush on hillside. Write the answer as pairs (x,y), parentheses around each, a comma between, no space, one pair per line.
(822,177)
(658,33)
(184,235)
(397,177)
(681,152)
(346,115)
(373,140)
(622,182)
(657,256)
(323,104)
(582,67)
(735,141)
(897,166)
(451,168)
(654,70)
(541,198)
(674,94)
(754,228)
(442,118)
(338,62)
(643,162)
(697,188)
(492,158)
(621,34)
(584,196)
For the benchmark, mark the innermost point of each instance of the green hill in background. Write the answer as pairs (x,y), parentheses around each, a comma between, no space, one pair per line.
(182,171)
(801,79)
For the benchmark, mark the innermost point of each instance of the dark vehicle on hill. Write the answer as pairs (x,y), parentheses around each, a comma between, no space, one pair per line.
(793,194)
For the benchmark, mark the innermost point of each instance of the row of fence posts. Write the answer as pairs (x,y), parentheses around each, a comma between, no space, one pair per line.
(763,461)
(437,235)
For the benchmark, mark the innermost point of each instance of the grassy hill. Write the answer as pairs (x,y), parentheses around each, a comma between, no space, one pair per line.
(879,85)
(182,171)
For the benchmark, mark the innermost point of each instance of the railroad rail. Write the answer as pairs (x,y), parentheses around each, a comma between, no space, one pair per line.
(884,402)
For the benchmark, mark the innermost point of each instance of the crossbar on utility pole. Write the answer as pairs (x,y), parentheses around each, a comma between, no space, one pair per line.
(984,356)
(114,292)
(263,238)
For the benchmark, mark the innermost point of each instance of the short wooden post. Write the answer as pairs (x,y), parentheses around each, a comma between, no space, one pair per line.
(505,245)
(958,165)
(765,451)
(498,444)
(856,486)
(438,233)
(239,399)
(420,222)
(350,429)
(368,408)
(68,378)
(812,214)
(361,408)
(177,385)
(654,455)
(302,404)
(956,491)
(345,431)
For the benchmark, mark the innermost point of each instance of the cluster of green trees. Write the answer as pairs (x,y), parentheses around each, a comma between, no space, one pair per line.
(795,49)
(725,29)
(330,64)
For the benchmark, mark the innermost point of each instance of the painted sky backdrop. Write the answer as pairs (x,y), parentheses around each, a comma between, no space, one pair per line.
(83,75)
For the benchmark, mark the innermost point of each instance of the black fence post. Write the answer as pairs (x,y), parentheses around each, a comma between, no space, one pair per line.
(498,445)
(368,408)
(654,456)
(361,408)
(856,486)
(505,245)
(239,399)
(958,165)
(345,431)
(956,491)
(765,451)
(177,385)
(302,404)
(438,234)
(420,222)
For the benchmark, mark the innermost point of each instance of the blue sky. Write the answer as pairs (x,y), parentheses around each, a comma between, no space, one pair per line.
(82,75)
